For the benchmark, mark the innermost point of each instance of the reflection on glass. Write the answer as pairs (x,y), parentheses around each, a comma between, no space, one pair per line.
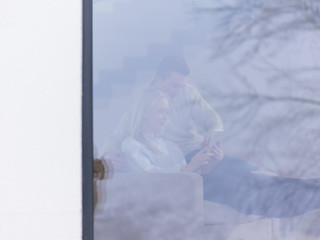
(207,119)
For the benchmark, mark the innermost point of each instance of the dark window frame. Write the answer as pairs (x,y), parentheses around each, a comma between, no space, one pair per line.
(87,122)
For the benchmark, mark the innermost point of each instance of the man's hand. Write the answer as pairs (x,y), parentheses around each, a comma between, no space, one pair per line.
(217,151)
(119,163)
(217,156)
(200,159)
(206,142)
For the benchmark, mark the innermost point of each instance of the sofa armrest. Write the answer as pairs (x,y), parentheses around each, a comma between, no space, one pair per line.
(155,203)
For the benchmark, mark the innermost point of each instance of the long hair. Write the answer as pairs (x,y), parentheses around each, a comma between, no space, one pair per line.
(131,123)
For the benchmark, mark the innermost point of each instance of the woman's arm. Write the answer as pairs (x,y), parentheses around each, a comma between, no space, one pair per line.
(200,159)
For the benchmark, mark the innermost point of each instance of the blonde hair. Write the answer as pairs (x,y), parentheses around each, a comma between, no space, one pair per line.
(131,123)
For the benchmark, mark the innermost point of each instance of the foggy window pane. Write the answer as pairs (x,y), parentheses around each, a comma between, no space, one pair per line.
(206,119)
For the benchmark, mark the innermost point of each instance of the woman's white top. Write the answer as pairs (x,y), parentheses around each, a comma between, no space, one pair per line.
(142,159)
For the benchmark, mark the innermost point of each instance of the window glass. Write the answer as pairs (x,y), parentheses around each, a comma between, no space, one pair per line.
(206,117)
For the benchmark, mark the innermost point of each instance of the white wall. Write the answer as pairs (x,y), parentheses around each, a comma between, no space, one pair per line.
(40,119)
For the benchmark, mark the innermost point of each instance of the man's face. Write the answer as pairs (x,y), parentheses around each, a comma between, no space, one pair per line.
(173,84)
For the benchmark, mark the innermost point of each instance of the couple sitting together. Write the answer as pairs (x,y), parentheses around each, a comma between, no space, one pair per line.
(169,129)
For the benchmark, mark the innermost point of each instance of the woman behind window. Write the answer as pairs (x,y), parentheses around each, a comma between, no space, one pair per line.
(238,188)
(145,149)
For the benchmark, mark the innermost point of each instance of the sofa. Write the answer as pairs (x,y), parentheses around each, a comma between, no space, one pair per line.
(170,206)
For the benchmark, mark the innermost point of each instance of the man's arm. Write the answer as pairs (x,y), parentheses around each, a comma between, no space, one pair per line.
(207,119)
(208,122)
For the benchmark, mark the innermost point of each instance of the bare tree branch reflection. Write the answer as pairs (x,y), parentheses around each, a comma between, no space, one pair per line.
(253,36)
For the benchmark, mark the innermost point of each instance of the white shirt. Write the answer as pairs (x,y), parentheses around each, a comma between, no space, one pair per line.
(142,159)
(190,119)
